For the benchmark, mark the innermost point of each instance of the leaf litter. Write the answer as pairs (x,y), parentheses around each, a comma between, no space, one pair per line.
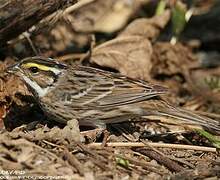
(133,49)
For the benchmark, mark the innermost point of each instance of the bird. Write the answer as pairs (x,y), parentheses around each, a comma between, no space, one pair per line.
(95,97)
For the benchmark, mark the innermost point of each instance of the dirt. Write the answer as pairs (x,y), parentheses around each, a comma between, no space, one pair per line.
(121,37)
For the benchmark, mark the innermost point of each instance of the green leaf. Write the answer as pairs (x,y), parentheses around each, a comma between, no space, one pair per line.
(214,140)
(160,7)
(178,18)
(122,162)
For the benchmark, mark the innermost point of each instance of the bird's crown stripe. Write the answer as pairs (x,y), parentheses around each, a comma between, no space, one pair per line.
(41,67)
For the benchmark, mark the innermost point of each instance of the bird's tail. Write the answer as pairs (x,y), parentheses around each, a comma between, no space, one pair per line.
(188,118)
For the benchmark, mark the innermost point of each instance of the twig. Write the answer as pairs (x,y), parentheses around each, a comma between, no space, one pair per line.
(52,144)
(160,145)
(27,36)
(179,160)
(124,132)
(77,6)
(170,164)
(73,161)
(95,158)
(152,147)
(27,13)
(146,165)
(165,156)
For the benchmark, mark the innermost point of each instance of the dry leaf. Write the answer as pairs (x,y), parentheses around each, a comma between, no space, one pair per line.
(19,153)
(3,113)
(58,38)
(170,60)
(130,55)
(147,28)
(102,16)
(49,37)
(206,82)
(10,85)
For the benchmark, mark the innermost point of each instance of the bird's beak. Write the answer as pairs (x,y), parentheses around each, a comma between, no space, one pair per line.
(12,69)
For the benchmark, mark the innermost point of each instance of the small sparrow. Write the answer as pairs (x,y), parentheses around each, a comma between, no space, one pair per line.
(95,97)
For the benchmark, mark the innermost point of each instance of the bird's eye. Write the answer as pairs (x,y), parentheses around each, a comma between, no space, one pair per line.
(34,70)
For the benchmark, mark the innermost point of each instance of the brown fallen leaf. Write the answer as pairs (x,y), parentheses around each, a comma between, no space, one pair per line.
(147,28)
(10,87)
(3,112)
(69,134)
(62,36)
(101,16)
(206,82)
(27,158)
(130,55)
(48,38)
(171,65)
(169,60)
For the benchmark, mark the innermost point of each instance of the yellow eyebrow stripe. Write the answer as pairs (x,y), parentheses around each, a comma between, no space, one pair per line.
(41,67)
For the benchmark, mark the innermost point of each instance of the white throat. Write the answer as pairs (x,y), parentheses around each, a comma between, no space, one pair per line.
(39,90)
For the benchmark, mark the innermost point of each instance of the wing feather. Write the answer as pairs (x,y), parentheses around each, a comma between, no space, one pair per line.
(94,88)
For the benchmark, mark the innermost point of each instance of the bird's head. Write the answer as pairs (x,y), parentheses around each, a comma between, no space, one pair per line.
(40,74)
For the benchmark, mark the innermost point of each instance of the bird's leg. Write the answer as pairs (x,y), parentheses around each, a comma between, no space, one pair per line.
(92,135)
(105,138)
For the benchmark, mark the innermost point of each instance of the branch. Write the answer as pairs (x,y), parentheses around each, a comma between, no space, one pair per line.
(17,16)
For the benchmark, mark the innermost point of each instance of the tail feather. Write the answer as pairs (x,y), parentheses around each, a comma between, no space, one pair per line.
(188,117)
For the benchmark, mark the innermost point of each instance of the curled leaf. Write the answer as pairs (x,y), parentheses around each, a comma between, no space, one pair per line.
(130,55)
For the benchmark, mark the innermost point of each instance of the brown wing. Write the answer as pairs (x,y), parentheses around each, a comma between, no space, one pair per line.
(88,87)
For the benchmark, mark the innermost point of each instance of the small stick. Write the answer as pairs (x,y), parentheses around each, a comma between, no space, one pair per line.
(73,161)
(170,164)
(77,6)
(146,165)
(158,145)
